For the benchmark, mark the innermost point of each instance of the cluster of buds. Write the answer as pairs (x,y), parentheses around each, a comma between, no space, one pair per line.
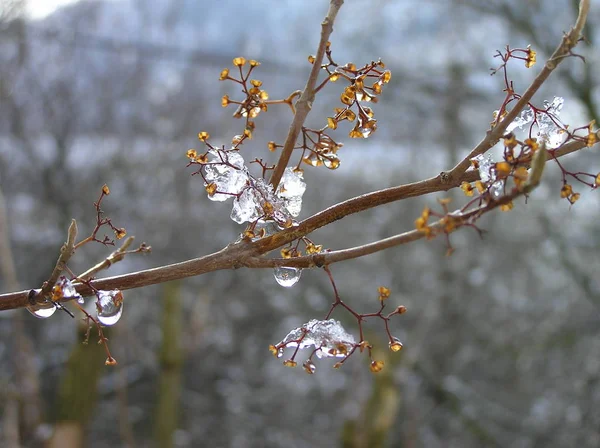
(101,221)
(320,149)
(366,83)
(255,100)
(328,338)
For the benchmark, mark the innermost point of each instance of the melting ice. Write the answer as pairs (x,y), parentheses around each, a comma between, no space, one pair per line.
(328,336)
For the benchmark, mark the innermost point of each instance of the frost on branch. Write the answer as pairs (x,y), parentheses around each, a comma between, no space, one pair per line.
(550,129)
(328,338)
(226,176)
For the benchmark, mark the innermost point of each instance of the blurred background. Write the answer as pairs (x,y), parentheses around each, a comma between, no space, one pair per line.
(502,343)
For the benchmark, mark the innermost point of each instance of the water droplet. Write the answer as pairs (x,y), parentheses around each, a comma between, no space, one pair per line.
(497,189)
(395,344)
(309,367)
(328,337)
(48,310)
(286,276)
(280,353)
(81,300)
(109,306)
(485,168)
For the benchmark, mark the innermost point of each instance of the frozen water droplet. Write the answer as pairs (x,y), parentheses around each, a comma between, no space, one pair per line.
(485,167)
(309,367)
(291,184)
(214,171)
(526,116)
(291,189)
(269,226)
(497,189)
(327,336)
(68,289)
(234,158)
(81,300)
(549,126)
(246,208)
(286,276)
(109,306)
(42,310)
(280,353)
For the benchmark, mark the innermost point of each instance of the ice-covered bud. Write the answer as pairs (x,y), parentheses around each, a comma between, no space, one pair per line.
(290,189)
(328,337)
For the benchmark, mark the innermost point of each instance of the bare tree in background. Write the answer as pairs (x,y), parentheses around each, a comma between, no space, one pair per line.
(499,183)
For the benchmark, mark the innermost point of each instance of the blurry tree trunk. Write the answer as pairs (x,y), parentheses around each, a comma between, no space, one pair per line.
(26,371)
(171,360)
(78,392)
(372,428)
(10,419)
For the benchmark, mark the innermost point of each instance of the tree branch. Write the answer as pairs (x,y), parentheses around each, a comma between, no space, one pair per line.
(304,104)
(567,44)
(245,254)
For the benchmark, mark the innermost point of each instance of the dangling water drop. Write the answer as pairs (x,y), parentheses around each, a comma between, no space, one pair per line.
(81,300)
(42,313)
(280,353)
(309,367)
(109,306)
(286,276)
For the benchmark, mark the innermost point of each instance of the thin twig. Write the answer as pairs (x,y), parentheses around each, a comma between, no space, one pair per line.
(567,44)
(304,104)
(116,256)
(241,254)
(236,255)
(66,251)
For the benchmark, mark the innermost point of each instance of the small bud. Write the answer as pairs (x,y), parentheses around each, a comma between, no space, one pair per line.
(376,366)
(384,293)
(566,191)
(309,367)
(105,190)
(290,363)
(467,188)
(395,345)
(400,310)
(211,189)
(203,136)
(110,361)
(239,61)
(531,57)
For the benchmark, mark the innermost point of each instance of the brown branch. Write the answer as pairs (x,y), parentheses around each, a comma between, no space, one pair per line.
(304,104)
(326,258)
(567,44)
(244,254)
(116,256)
